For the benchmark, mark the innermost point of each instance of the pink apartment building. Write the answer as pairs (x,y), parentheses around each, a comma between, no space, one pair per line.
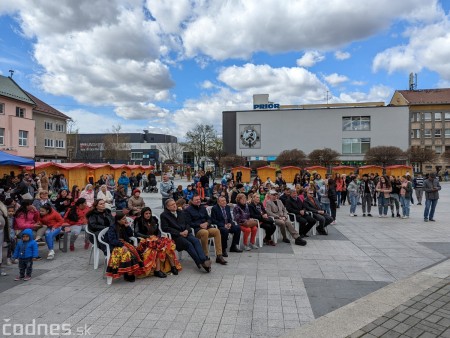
(17,127)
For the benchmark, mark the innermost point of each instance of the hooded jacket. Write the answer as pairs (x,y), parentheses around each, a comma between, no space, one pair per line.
(26,249)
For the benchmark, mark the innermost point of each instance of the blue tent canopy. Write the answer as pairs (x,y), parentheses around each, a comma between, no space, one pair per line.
(8,159)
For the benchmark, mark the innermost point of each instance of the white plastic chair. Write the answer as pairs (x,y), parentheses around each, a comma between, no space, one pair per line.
(94,248)
(168,235)
(259,237)
(211,241)
(108,253)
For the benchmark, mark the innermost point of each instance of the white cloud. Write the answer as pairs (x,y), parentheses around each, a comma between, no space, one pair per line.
(336,79)
(340,55)
(207,84)
(428,47)
(237,29)
(310,58)
(377,93)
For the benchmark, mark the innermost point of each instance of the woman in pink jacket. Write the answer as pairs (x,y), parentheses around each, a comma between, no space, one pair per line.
(88,195)
(27,217)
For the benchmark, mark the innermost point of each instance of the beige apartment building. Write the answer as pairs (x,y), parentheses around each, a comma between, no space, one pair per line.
(51,133)
(429,116)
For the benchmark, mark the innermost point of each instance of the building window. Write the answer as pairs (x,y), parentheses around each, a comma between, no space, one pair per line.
(437,133)
(414,117)
(427,116)
(355,145)
(415,133)
(438,149)
(2,108)
(23,138)
(427,133)
(438,116)
(20,112)
(2,136)
(356,123)
(136,156)
(48,125)
(152,147)
(59,144)
(447,116)
(60,127)
(447,133)
(48,143)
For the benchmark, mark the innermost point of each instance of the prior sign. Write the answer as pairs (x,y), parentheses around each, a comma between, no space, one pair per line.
(267,106)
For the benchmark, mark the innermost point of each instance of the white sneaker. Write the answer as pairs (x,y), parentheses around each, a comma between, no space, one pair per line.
(380,216)
(51,254)
(253,246)
(351,215)
(15,261)
(8,261)
(334,222)
(405,217)
(3,274)
(247,248)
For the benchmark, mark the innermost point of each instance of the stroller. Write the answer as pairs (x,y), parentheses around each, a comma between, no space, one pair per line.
(150,185)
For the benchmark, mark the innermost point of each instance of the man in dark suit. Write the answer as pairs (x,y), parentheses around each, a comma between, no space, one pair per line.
(295,206)
(221,216)
(312,204)
(174,222)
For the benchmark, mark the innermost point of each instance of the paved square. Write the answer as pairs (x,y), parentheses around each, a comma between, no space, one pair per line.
(262,293)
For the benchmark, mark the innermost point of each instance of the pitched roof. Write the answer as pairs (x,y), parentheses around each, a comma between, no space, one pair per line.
(42,107)
(11,89)
(426,96)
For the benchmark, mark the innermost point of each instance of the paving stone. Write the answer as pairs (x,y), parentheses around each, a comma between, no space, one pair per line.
(400,317)
(411,321)
(401,328)
(414,332)
(357,334)
(369,327)
(390,324)
(391,334)
(378,331)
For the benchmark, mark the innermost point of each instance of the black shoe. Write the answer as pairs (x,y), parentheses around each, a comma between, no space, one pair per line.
(300,241)
(321,231)
(224,253)
(364,215)
(235,249)
(398,215)
(174,270)
(432,220)
(393,215)
(38,258)
(129,278)
(160,274)
(207,265)
(370,215)
(419,203)
(285,240)
(220,260)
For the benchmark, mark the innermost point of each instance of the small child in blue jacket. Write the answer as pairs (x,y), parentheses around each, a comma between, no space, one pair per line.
(26,250)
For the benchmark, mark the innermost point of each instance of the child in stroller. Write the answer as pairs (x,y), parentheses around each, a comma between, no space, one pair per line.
(150,185)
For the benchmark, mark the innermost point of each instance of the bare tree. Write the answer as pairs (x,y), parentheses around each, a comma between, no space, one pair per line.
(293,157)
(216,153)
(200,140)
(420,155)
(116,145)
(384,155)
(230,161)
(325,156)
(171,152)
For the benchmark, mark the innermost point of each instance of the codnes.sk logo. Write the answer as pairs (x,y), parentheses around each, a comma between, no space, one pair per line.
(34,329)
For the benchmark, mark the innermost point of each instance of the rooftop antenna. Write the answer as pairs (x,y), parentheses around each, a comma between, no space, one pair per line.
(327,96)
(11,72)
(412,81)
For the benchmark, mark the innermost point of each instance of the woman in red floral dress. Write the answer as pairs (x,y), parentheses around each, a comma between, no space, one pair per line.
(157,253)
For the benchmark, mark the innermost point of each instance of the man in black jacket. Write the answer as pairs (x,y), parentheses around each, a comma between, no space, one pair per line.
(295,206)
(197,218)
(312,204)
(174,223)
(221,216)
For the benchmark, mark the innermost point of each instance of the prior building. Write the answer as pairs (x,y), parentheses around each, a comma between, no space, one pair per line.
(350,129)
(131,148)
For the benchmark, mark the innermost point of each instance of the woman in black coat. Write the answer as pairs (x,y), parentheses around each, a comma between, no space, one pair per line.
(99,218)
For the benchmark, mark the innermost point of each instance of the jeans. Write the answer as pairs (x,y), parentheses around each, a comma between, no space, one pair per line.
(338,194)
(419,194)
(366,202)
(353,202)
(405,201)
(383,204)
(25,264)
(75,231)
(50,235)
(394,199)
(326,207)
(430,206)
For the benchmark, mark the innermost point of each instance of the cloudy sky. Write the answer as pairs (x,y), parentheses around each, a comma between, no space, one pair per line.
(166,65)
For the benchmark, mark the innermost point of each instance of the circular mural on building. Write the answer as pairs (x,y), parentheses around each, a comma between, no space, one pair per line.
(250,136)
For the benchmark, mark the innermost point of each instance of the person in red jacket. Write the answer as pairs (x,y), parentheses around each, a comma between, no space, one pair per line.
(27,217)
(53,220)
(76,218)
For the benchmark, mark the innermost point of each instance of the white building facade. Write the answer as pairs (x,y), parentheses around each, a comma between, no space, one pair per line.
(261,134)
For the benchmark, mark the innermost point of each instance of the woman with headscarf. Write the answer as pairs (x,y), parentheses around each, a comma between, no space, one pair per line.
(158,253)
(104,194)
(88,194)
